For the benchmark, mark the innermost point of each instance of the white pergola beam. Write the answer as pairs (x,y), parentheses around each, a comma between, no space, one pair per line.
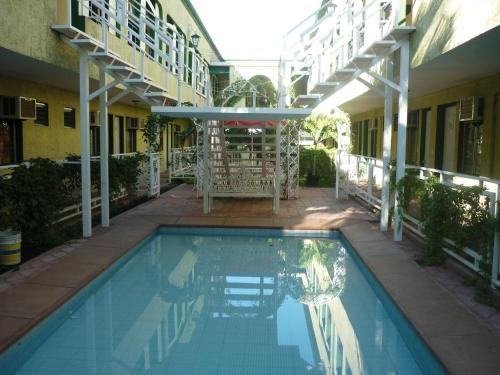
(404,67)
(234,114)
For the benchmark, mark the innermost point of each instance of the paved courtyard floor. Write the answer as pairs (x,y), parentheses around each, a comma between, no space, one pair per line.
(463,334)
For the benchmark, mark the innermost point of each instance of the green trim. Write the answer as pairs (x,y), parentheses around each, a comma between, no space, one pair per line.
(202,27)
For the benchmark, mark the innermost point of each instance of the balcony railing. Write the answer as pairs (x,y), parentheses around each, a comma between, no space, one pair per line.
(330,39)
(365,182)
(149,36)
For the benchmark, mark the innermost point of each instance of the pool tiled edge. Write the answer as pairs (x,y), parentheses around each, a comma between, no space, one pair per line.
(462,343)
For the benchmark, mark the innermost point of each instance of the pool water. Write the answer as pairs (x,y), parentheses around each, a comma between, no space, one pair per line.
(222,301)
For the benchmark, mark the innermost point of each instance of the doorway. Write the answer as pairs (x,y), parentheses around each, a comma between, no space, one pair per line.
(121,134)
(11,141)
(446,137)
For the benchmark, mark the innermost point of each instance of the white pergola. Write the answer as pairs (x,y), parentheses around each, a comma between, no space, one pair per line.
(229,165)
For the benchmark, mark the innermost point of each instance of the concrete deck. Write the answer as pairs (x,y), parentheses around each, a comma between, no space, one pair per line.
(463,336)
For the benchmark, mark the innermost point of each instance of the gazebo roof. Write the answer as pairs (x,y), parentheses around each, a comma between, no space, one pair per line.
(233,114)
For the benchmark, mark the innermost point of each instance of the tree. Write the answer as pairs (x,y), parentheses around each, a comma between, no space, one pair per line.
(322,127)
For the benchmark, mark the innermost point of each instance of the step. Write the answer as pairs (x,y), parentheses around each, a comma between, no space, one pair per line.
(109,58)
(361,61)
(307,100)
(324,88)
(342,75)
(127,71)
(144,84)
(400,32)
(379,47)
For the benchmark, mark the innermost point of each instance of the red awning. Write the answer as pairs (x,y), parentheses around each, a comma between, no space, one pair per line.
(250,123)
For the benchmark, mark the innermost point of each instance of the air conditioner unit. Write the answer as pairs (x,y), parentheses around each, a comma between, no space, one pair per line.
(17,107)
(471,109)
(132,123)
(94,118)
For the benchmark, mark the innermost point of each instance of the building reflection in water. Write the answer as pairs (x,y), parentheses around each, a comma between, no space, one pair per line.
(189,305)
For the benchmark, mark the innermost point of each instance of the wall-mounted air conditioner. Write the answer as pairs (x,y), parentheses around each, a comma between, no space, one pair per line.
(471,109)
(94,118)
(132,123)
(17,108)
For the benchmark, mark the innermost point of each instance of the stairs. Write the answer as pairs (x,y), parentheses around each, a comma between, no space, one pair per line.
(126,74)
(344,41)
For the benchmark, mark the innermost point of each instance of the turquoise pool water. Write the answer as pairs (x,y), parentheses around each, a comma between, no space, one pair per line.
(228,301)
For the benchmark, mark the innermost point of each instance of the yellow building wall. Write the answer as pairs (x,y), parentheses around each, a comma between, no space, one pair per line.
(488,88)
(442,25)
(56,141)
(27,31)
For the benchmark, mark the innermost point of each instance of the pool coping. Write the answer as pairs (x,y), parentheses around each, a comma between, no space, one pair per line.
(462,343)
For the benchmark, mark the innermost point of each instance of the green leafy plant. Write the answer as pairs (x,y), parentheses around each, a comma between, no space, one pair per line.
(325,167)
(459,214)
(34,197)
(154,125)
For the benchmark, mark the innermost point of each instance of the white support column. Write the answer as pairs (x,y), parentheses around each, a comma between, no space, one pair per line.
(85,145)
(206,170)
(277,170)
(104,152)
(402,123)
(386,156)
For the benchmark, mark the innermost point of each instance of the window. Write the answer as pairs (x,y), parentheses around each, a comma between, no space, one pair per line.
(95,137)
(425,128)
(469,151)
(69,117)
(131,140)
(11,141)
(373,138)
(412,137)
(364,140)
(42,113)
(355,138)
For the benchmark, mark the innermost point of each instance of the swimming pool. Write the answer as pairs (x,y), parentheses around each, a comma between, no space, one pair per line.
(228,301)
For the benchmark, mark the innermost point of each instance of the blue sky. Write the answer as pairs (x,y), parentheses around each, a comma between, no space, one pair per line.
(244,29)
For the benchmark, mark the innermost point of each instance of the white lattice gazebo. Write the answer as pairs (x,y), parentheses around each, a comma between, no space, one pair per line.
(245,152)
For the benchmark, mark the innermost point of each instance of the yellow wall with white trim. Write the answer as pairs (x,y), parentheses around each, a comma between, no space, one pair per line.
(488,88)
(56,141)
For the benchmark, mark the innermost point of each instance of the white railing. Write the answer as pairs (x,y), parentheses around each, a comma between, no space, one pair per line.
(182,162)
(330,38)
(365,182)
(149,35)
(154,165)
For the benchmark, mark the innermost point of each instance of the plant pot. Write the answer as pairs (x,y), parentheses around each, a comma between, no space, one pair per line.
(10,248)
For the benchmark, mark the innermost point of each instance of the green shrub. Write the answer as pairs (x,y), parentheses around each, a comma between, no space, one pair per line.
(34,197)
(325,167)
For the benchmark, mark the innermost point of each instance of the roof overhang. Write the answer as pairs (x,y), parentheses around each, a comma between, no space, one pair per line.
(234,114)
